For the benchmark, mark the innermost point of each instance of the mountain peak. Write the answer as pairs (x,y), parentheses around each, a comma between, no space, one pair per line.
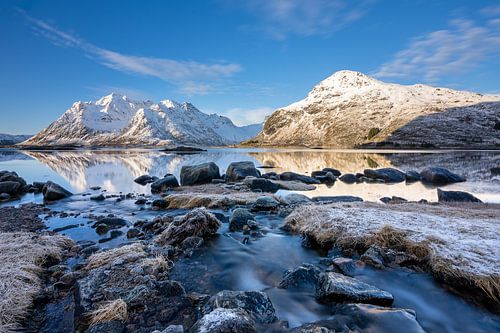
(113,97)
(346,79)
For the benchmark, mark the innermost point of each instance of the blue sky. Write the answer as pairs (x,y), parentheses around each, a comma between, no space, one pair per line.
(233,57)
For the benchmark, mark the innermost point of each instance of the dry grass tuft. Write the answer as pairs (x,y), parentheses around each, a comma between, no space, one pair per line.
(398,240)
(114,310)
(157,264)
(104,258)
(22,255)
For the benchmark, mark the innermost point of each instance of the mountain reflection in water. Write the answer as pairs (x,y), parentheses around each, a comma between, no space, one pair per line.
(115,170)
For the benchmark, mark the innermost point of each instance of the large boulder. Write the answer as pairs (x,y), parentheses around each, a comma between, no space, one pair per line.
(261,184)
(145,179)
(303,275)
(10,187)
(256,304)
(160,185)
(225,321)
(240,218)
(11,176)
(365,318)
(197,223)
(455,196)
(437,175)
(52,191)
(335,287)
(199,174)
(389,175)
(292,176)
(240,170)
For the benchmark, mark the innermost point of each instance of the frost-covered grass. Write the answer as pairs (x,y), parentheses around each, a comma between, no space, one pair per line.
(208,200)
(22,256)
(461,243)
(113,310)
(104,258)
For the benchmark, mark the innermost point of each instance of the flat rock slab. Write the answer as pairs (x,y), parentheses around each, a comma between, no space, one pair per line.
(335,287)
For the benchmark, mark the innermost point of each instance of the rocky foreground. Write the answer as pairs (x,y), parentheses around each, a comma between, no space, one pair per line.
(85,286)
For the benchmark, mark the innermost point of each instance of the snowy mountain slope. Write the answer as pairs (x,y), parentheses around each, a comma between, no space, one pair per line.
(350,109)
(12,139)
(117,120)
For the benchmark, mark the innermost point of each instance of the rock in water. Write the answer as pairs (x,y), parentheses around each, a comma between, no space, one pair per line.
(264,185)
(225,321)
(164,183)
(10,187)
(348,178)
(337,198)
(349,318)
(437,175)
(145,179)
(335,287)
(292,176)
(199,174)
(240,170)
(304,275)
(256,304)
(52,191)
(265,203)
(455,196)
(389,175)
(413,176)
(240,218)
(198,223)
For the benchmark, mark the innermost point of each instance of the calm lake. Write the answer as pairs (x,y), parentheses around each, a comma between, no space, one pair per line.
(115,170)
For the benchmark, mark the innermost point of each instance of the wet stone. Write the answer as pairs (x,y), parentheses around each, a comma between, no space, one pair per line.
(225,321)
(239,219)
(303,275)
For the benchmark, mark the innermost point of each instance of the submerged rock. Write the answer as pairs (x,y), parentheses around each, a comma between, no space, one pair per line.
(240,170)
(52,191)
(437,175)
(145,179)
(225,321)
(10,187)
(389,175)
(338,198)
(393,200)
(199,174)
(413,176)
(240,219)
(303,275)
(349,318)
(265,203)
(292,176)
(256,304)
(335,287)
(167,182)
(455,196)
(198,222)
(98,197)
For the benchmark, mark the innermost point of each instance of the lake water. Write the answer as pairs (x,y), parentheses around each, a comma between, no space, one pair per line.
(115,170)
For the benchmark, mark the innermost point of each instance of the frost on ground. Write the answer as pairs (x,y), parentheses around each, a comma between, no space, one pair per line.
(22,255)
(461,243)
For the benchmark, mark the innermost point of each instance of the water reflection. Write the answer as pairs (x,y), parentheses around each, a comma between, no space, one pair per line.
(114,170)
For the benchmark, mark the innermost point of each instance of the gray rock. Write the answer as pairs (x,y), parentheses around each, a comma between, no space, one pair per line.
(140,201)
(380,257)
(10,187)
(256,304)
(335,172)
(225,321)
(144,179)
(335,287)
(292,176)
(199,174)
(133,233)
(4,196)
(349,318)
(389,175)
(240,170)
(303,275)
(348,178)
(437,175)
(338,198)
(164,183)
(455,196)
(239,219)
(113,326)
(98,197)
(265,203)
(413,176)
(113,222)
(296,198)
(52,191)
(171,329)
(159,203)
(261,184)
(393,200)
(345,265)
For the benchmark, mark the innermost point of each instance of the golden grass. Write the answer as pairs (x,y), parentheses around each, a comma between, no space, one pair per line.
(22,255)
(104,258)
(157,264)
(113,310)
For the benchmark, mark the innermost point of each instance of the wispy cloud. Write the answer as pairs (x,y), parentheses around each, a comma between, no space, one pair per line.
(243,117)
(281,18)
(461,47)
(190,77)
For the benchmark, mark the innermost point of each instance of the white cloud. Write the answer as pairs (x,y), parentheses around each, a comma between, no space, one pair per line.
(281,18)
(243,117)
(190,77)
(463,46)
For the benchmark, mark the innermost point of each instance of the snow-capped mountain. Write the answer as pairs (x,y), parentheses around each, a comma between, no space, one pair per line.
(117,120)
(350,109)
(12,139)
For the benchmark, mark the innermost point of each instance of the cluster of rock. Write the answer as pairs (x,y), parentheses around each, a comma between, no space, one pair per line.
(12,187)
